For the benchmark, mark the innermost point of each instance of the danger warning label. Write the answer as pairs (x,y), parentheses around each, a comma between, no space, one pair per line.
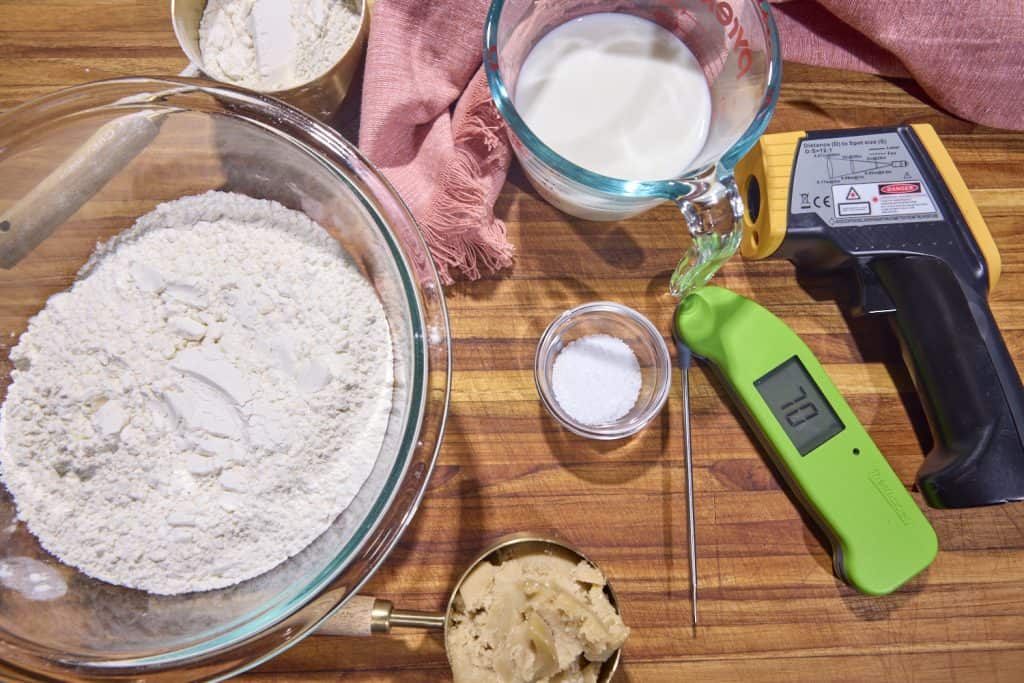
(867,200)
(861,179)
(899,188)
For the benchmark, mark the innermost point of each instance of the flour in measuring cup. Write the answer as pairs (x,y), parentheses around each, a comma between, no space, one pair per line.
(275,44)
(618,95)
(203,402)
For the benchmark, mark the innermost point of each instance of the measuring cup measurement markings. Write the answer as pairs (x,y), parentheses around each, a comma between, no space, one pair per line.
(366,615)
(736,46)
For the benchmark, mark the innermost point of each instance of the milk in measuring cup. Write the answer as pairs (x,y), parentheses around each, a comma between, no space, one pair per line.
(618,95)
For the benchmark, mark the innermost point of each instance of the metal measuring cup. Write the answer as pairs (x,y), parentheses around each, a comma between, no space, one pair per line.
(321,97)
(366,615)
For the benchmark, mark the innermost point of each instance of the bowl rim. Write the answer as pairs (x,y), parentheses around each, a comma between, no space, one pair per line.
(603,432)
(267,631)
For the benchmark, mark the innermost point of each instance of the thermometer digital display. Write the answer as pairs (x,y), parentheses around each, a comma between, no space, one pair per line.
(799,406)
(880,538)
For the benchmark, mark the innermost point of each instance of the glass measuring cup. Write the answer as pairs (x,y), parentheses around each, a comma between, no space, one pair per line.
(737,47)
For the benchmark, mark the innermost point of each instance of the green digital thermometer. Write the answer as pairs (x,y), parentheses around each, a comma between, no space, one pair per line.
(880,538)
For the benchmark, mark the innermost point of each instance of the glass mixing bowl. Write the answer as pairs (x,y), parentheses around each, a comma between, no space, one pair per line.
(210,137)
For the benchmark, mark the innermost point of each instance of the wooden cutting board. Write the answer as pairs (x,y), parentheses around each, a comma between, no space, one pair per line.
(771,610)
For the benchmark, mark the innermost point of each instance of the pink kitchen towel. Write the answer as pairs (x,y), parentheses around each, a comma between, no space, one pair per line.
(968,55)
(428,123)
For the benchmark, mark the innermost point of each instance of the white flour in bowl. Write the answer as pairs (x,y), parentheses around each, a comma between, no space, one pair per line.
(274,45)
(203,402)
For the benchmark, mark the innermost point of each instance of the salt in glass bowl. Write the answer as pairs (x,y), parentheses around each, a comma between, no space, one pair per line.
(622,322)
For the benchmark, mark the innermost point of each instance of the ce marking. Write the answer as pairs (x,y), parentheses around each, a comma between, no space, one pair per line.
(818,202)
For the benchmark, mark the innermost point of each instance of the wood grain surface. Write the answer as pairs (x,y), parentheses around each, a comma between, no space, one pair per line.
(771,609)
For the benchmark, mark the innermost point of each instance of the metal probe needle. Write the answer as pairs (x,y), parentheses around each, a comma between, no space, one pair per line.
(684,368)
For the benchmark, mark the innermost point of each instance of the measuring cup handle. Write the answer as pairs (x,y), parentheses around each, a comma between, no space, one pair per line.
(362,615)
(713,210)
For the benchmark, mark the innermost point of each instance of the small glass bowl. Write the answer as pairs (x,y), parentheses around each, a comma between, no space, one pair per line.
(616,320)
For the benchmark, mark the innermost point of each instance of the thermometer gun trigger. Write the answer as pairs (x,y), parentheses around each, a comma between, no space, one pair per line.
(872,297)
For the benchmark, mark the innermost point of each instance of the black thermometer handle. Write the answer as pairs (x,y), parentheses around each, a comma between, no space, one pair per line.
(968,383)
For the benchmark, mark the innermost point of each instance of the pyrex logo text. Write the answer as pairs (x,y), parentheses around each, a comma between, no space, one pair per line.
(725,15)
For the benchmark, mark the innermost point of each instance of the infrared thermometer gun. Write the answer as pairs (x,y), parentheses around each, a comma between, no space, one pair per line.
(880,539)
(887,206)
